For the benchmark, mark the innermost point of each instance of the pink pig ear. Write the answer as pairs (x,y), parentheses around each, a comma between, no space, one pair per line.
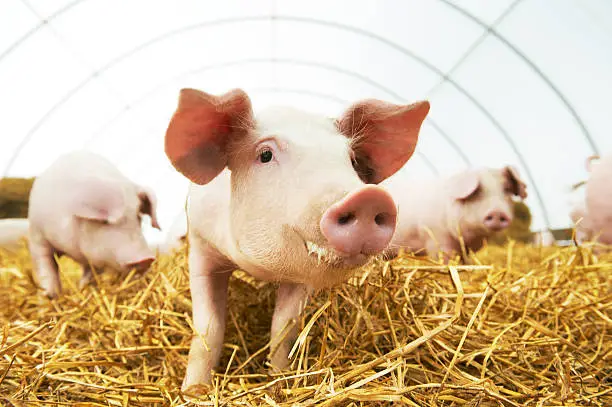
(463,185)
(199,132)
(384,135)
(148,204)
(517,185)
(97,199)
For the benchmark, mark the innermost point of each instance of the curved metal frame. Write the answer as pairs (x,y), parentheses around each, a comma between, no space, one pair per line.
(459,9)
(491,30)
(34,30)
(312,21)
(474,45)
(296,62)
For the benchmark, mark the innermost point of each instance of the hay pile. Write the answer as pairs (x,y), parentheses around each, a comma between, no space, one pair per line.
(524,327)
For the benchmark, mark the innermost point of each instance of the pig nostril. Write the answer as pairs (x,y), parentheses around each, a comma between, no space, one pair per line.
(380,219)
(345,219)
(489,218)
(362,222)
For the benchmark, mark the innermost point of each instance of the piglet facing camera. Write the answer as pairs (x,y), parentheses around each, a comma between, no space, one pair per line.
(82,206)
(287,196)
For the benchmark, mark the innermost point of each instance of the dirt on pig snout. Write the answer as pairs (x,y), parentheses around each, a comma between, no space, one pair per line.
(522,326)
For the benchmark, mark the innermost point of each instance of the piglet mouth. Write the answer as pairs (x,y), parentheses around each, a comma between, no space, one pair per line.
(331,257)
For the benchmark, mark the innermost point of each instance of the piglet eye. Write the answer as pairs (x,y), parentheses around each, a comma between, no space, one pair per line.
(265,156)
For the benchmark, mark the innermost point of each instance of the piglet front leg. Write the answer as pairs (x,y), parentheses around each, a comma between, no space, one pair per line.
(208,280)
(87,277)
(290,302)
(45,267)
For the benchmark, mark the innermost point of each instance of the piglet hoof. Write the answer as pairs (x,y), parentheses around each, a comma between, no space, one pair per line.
(51,290)
(279,362)
(86,279)
(197,390)
(274,370)
(52,293)
(197,382)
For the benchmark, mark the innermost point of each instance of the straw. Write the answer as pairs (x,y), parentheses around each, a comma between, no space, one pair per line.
(519,326)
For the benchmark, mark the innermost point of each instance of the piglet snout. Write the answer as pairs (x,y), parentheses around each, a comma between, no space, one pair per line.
(497,220)
(140,265)
(362,222)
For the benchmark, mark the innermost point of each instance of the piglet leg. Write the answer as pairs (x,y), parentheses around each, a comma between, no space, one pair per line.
(87,277)
(208,281)
(290,302)
(45,267)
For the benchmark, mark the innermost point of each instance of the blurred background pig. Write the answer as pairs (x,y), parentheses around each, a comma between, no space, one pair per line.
(598,200)
(433,215)
(282,196)
(578,204)
(82,206)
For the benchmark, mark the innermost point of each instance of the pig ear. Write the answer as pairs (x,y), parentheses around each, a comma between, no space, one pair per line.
(517,185)
(97,199)
(197,137)
(464,184)
(383,136)
(591,162)
(148,204)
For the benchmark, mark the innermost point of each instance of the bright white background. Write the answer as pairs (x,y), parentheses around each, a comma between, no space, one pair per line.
(522,82)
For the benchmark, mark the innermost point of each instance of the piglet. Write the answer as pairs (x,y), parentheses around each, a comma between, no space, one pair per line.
(84,207)
(598,200)
(433,214)
(286,196)
(578,205)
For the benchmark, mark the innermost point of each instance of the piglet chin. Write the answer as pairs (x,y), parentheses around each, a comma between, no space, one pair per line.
(494,229)
(336,259)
